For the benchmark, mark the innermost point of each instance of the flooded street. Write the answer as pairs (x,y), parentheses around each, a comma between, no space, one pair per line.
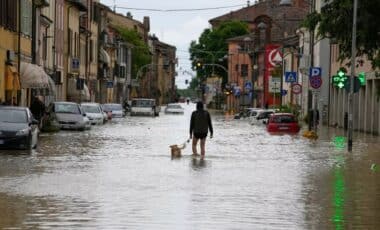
(121,176)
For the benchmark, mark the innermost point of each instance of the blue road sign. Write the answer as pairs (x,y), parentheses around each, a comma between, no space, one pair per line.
(248,85)
(315,72)
(284,92)
(290,77)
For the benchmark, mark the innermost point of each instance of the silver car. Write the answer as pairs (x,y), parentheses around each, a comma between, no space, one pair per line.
(71,116)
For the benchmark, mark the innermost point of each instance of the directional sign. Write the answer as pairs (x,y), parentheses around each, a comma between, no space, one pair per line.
(296,88)
(315,82)
(290,77)
(284,92)
(274,84)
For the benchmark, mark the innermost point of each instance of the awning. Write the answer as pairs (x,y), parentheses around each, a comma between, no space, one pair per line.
(33,76)
(12,79)
(104,57)
(78,94)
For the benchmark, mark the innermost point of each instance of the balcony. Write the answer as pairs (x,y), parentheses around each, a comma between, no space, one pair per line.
(80,4)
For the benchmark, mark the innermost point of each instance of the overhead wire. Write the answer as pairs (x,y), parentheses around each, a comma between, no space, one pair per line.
(179,10)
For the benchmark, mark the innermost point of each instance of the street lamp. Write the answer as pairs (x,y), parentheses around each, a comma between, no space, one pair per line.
(248,40)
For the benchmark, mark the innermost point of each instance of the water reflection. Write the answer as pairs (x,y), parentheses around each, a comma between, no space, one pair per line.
(198,163)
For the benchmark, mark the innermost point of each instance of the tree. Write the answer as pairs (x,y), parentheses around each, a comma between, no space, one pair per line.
(211,49)
(140,53)
(335,22)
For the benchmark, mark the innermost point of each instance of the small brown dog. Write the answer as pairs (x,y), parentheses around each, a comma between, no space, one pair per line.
(176,150)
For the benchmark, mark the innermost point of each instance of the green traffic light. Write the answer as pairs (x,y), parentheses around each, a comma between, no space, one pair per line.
(362,78)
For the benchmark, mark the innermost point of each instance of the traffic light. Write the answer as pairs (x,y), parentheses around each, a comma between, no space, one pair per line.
(340,80)
(199,65)
(362,78)
(356,84)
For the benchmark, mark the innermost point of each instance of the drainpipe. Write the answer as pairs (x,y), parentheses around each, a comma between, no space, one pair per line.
(68,51)
(19,40)
(34,33)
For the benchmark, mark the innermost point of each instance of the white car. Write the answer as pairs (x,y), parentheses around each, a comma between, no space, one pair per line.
(144,107)
(116,110)
(94,113)
(261,115)
(174,108)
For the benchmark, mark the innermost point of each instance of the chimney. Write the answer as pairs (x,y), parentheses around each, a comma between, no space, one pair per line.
(146,23)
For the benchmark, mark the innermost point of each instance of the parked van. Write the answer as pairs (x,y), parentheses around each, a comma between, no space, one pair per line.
(144,107)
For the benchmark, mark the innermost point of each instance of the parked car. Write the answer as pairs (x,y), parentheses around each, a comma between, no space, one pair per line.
(283,122)
(94,113)
(174,108)
(18,128)
(71,116)
(261,116)
(116,110)
(144,107)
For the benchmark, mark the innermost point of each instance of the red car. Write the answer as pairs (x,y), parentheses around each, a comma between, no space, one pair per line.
(283,122)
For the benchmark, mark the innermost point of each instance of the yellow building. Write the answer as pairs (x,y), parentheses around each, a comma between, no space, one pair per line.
(72,60)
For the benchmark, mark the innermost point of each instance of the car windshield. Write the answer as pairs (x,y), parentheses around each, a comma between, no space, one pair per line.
(67,108)
(13,116)
(112,107)
(283,119)
(174,107)
(91,108)
(142,103)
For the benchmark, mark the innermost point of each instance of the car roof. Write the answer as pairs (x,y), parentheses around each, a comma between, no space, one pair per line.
(65,102)
(13,107)
(283,114)
(147,99)
(90,103)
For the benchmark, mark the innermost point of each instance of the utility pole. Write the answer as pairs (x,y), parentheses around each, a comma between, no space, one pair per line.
(351,94)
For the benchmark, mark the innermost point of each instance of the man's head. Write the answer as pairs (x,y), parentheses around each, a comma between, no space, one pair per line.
(199,105)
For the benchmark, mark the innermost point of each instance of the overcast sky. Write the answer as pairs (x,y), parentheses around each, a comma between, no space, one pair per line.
(177,28)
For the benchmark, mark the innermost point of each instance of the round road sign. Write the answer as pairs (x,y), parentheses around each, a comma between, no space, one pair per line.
(296,88)
(315,82)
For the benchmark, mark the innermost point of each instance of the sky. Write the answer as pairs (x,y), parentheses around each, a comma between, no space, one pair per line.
(177,28)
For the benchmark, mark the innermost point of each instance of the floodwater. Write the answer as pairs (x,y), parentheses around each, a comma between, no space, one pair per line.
(121,176)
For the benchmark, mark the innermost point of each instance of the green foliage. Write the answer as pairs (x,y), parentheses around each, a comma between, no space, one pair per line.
(140,53)
(212,47)
(187,93)
(336,19)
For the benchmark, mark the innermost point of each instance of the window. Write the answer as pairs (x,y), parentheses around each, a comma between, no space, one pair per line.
(91,50)
(8,14)
(69,43)
(26,17)
(244,70)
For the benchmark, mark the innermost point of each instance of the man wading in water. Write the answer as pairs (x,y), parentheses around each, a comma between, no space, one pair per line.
(200,123)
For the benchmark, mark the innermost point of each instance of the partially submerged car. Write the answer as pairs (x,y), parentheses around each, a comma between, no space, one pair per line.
(174,108)
(144,107)
(71,116)
(94,113)
(283,122)
(18,128)
(115,110)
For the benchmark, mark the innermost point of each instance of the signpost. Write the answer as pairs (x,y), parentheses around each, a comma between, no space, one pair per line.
(315,79)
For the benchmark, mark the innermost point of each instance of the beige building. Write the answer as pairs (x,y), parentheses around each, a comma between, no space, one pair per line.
(74,80)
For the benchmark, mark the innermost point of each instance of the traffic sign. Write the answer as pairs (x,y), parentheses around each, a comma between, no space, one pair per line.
(315,72)
(248,85)
(315,82)
(290,77)
(296,88)
(284,92)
